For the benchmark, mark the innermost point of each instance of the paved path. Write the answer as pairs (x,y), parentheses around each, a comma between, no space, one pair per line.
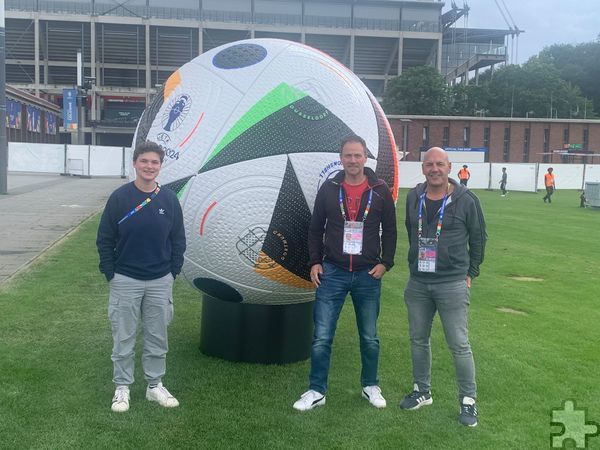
(39,209)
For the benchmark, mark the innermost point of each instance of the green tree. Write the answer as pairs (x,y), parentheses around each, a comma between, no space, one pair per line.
(535,89)
(418,90)
(469,100)
(578,64)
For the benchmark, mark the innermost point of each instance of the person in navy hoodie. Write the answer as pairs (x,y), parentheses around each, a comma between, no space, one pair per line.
(141,242)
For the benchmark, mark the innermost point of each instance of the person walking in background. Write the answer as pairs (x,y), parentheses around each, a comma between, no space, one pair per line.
(141,242)
(447,236)
(503,182)
(582,200)
(351,243)
(464,175)
(550,185)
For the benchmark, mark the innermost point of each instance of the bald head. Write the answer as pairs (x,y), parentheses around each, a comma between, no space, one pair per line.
(436,168)
(436,153)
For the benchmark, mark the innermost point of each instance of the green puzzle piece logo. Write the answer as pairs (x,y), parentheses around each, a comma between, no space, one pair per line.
(574,426)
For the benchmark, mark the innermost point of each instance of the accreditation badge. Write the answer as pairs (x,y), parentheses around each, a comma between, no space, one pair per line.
(353,237)
(427,254)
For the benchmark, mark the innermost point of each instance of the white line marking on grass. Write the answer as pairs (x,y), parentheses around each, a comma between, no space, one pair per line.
(512,311)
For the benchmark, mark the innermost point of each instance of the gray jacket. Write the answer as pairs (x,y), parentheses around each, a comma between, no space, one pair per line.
(461,246)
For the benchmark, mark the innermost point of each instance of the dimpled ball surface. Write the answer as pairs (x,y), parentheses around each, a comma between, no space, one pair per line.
(251,130)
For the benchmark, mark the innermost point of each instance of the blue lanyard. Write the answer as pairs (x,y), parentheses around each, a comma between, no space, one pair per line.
(438,229)
(141,205)
(368,207)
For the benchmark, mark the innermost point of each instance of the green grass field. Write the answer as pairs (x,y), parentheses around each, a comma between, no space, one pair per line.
(55,368)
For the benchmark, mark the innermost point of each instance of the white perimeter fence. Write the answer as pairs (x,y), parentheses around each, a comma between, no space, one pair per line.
(89,160)
(82,160)
(526,177)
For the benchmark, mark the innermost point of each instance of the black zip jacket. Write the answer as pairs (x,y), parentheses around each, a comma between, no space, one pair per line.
(461,246)
(327,220)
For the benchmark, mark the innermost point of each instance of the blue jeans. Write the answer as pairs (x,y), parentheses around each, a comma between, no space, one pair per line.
(365,291)
(451,300)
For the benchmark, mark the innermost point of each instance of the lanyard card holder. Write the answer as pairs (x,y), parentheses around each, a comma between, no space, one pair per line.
(353,237)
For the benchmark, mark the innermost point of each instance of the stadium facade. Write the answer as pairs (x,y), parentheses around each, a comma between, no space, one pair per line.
(130,47)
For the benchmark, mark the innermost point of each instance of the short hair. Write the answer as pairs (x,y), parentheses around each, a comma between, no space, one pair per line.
(146,147)
(465,166)
(550,168)
(504,168)
(353,138)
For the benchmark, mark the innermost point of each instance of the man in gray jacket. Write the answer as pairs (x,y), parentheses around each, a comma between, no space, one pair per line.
(446,232)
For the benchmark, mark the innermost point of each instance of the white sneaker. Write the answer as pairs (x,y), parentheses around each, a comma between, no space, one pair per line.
(120,401)
(309,400)
(162,396)
(373,394)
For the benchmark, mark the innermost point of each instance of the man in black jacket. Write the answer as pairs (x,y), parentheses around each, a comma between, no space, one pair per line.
(350,210)
(141,241)
(446,232)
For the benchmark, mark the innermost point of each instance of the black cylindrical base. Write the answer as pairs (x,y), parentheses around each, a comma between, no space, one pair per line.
(266,334)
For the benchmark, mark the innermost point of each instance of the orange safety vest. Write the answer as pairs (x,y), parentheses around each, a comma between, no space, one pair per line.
(463,174)
(549,179)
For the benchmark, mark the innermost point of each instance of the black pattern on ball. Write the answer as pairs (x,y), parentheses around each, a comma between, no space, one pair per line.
(148,117)
(218,289)
(239,56)
(286,240)
(304,126)
(177,185)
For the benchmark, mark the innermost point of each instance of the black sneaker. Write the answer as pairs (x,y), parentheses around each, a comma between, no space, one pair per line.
(468,412)
(416,399)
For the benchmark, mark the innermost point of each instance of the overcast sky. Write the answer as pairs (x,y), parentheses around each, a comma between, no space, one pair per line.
(545,22)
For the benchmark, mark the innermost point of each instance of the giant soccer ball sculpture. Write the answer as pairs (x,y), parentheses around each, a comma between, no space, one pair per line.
(251,130)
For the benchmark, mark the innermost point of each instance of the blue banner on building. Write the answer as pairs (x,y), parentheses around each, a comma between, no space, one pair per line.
(13,109)
(70,109)
(29,120)
(466,149)
(34,116)
(50,120)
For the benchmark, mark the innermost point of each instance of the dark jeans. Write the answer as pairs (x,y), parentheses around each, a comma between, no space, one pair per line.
(464,181)
(451,301)
(365,290)
(503,188)
(549,192)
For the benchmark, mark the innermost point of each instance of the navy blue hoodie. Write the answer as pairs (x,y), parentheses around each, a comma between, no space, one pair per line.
(147,245)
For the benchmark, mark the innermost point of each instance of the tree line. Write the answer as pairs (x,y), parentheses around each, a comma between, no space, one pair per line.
(560,82)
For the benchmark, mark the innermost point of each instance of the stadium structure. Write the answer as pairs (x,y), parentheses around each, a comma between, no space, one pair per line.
(129,47)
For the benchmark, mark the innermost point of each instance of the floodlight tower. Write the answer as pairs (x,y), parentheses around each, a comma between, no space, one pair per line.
(514,31)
